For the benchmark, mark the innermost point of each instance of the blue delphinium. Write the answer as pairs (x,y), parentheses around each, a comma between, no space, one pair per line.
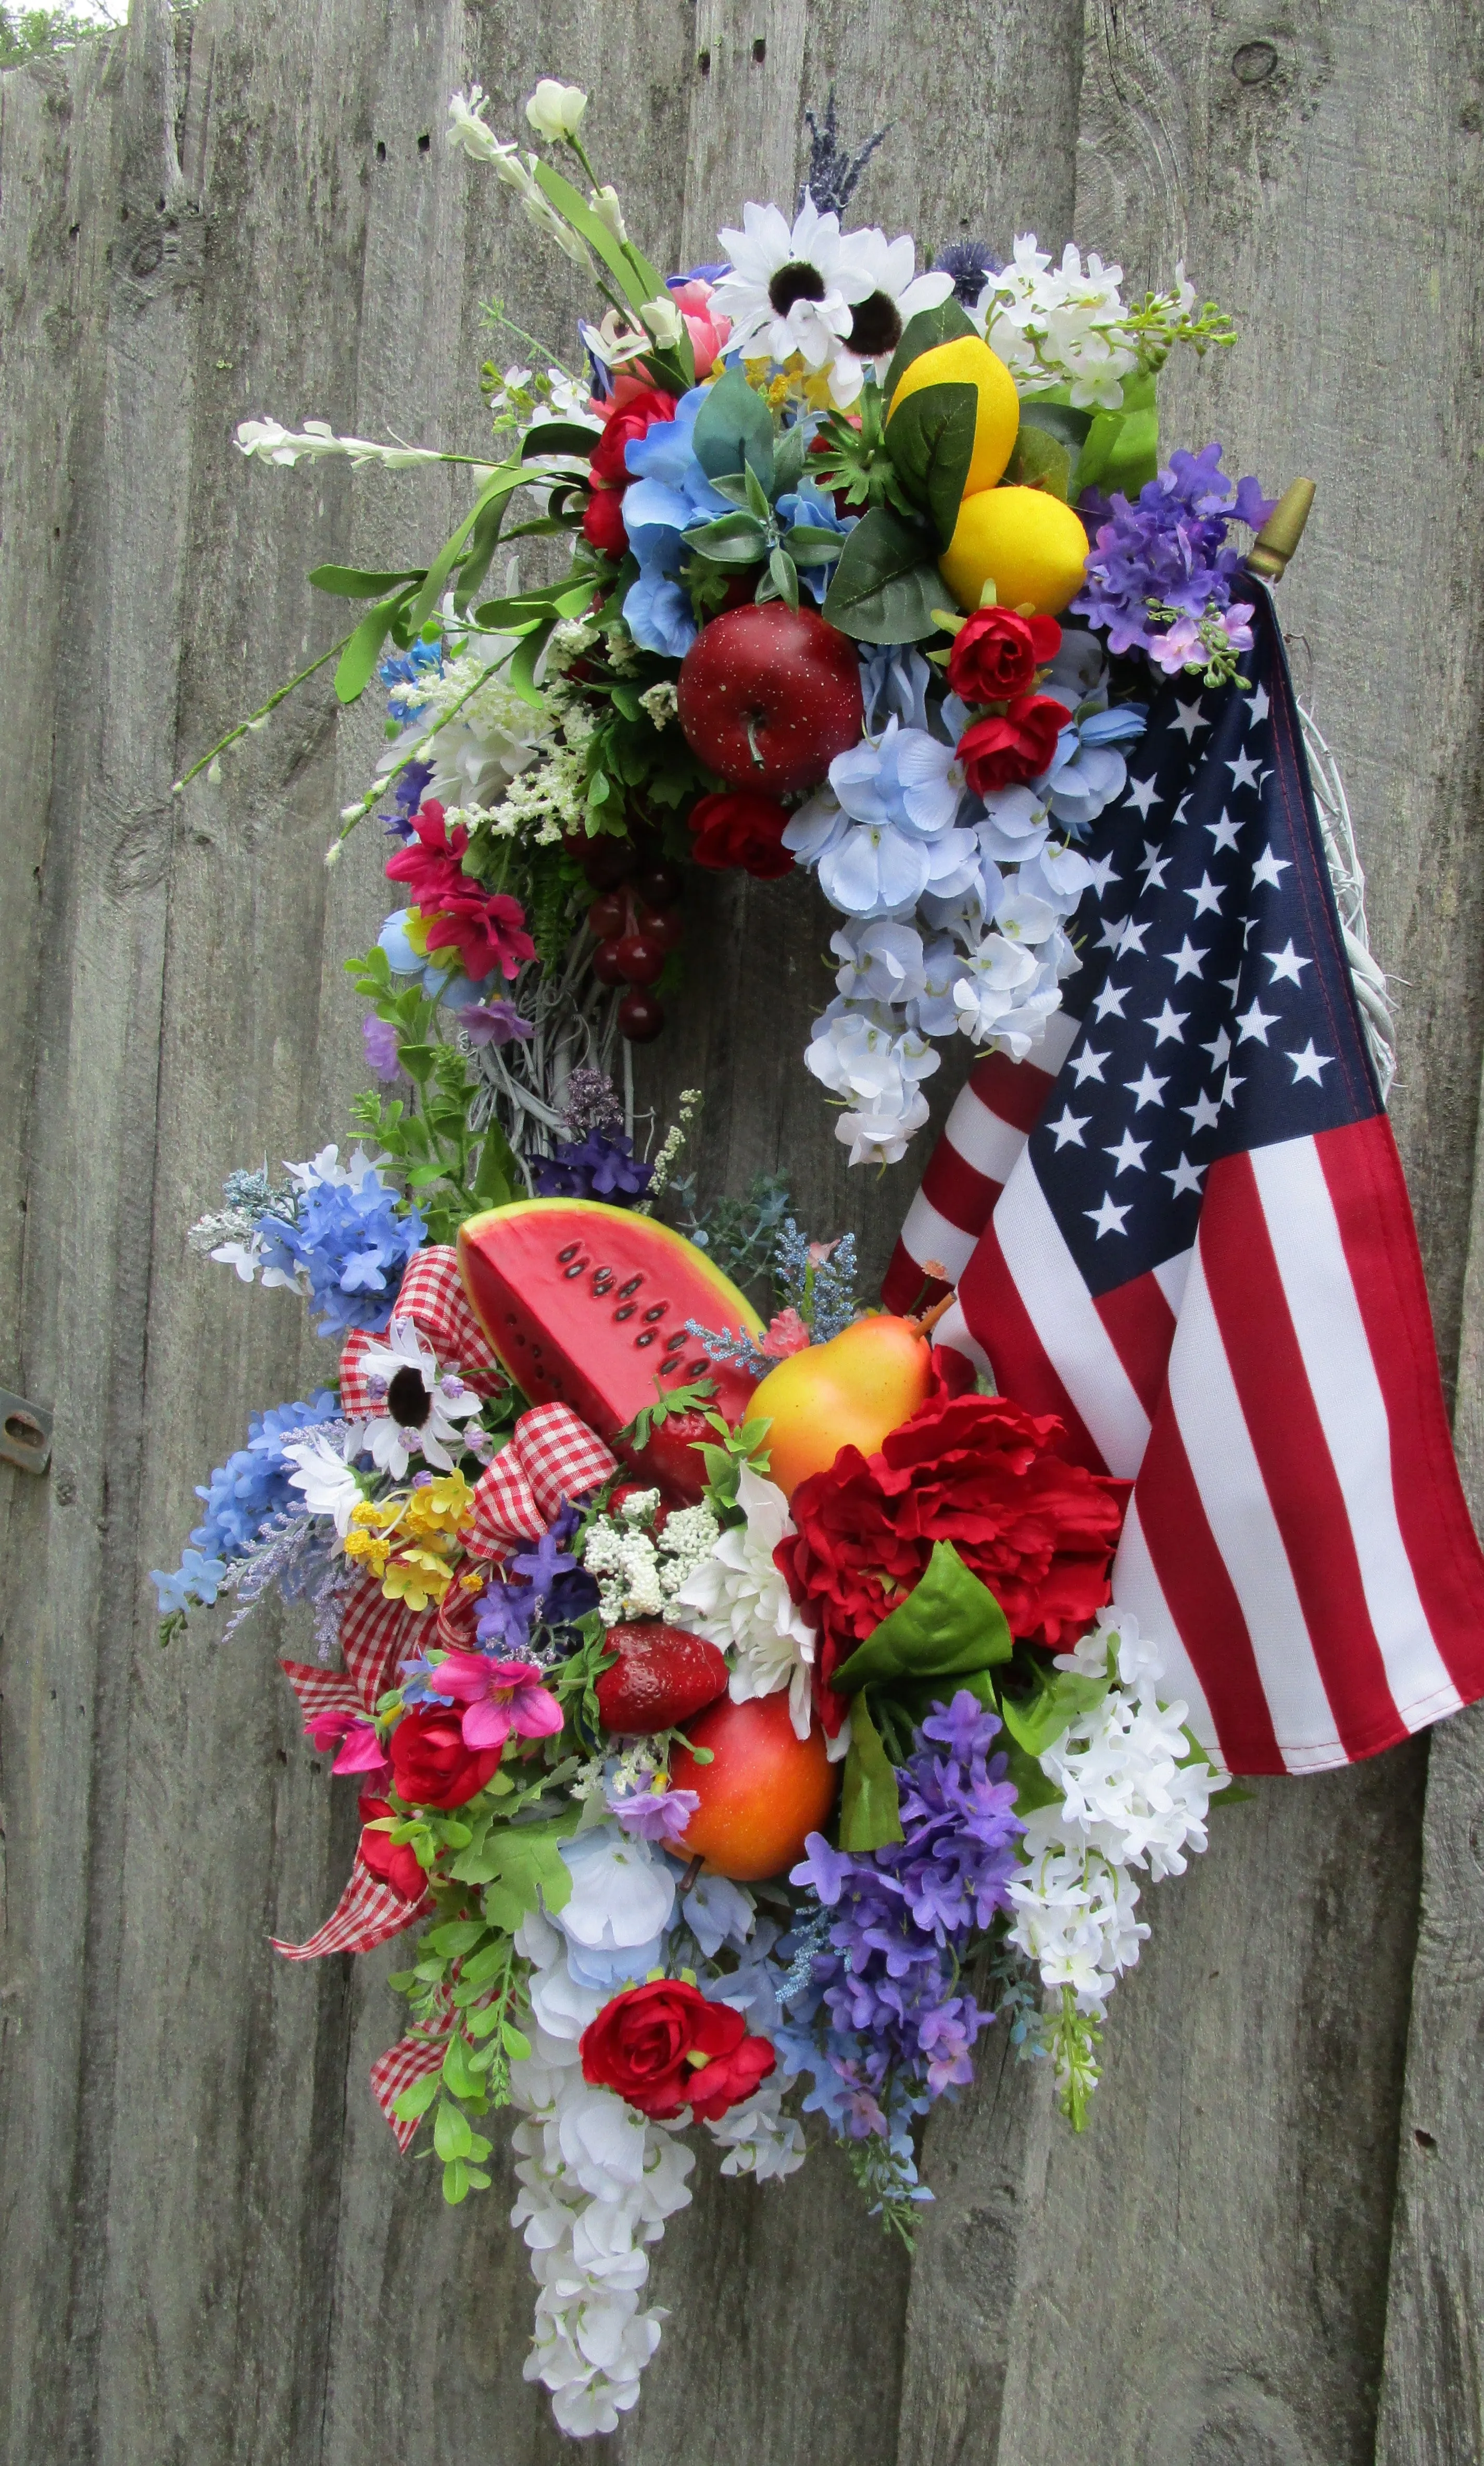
(349,1240)
(243,1498)
(603,1165)
(883,2023)
(1169,550)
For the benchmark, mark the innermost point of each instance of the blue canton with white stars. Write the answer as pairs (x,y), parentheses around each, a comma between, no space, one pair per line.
(1215,1001)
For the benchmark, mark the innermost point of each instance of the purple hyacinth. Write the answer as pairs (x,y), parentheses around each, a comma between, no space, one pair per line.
(380,1040)
(904,1913)
(1170,548)
(602,1166)
(549,1589)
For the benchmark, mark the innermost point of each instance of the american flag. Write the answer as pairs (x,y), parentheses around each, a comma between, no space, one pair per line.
(1184,1230)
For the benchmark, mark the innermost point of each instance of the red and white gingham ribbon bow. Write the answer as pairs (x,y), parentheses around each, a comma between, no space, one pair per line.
(552,1456)
(431,1295)
(411,2059)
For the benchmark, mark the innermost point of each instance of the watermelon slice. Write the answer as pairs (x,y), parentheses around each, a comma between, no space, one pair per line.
(586,1306)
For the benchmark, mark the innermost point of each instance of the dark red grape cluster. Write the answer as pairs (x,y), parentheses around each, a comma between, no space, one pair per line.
(636,922)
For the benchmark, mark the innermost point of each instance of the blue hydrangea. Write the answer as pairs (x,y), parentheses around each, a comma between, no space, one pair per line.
(349,1243)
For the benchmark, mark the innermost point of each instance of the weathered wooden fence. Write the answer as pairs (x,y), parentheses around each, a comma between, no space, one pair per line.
(1269,2247)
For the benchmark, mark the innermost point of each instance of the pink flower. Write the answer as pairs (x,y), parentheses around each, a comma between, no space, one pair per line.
(709,329)
(1180,648)
(362,1751)
(786,1334)
(498,1695)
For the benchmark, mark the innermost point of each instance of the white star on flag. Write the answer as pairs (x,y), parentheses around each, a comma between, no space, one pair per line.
(1070,1127)
(1142,793)
(1269,867)
(1089,1066)
(1244,771)
(1286,962)
(1185,962)
(1189,716)
(1255,1023)
(1146,1089)
(1309,1064)
(1128,1154)
(1225,833)
(1207,896)
(1169,1022)
(1108,1218)
(1184,1176)
(1203,1115)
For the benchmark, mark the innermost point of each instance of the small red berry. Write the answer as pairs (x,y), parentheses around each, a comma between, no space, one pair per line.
(609,915)
(660,886)
(638,959)
(607,862)
(606,965)
(664,927)
(640,1016)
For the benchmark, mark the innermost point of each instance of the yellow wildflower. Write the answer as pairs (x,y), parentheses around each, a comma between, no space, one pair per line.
(442,1504)
(372,1547)
(416,1578)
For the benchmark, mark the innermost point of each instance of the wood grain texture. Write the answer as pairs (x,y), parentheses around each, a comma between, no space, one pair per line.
(220,2254)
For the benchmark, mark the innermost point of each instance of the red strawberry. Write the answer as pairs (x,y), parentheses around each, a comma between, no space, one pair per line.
(662,1675)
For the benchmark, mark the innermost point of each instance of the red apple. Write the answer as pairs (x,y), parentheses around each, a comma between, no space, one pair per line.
(663,1675)
(769,695)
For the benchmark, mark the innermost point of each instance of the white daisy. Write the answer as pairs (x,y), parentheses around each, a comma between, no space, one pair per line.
(737,1598)
(886,295)
(421,1407)
(788,290)
(328,1485)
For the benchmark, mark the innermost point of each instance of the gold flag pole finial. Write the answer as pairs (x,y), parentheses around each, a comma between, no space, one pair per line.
(1269,555)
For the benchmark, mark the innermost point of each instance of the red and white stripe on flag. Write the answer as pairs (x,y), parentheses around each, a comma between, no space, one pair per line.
(1298,1544)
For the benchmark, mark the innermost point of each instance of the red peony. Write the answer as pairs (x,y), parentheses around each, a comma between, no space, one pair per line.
(431,1766)
(740,827)
(996,653)
(392,1862)
(1002,751)
(643,2043)
(971,1470)
(486,928)
(634,412)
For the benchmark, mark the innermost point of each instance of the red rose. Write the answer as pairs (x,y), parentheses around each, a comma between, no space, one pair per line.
(643,2042)
(739,827)
(392,1862)
(486,927)
(996,653)
(971,1470)
(431,1766)
(1001,753)
(602,522)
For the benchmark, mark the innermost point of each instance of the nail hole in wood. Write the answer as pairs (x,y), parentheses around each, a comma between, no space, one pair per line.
(1253,63)
(1423,2139)
(381,151)
(704,63)
(760,49)
(424,142)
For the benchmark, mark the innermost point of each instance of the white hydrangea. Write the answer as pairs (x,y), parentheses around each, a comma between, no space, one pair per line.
(736,1596)
(862,1055)
(1129,1797)
(758,2138)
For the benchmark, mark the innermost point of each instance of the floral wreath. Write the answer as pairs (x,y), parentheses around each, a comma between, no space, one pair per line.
(734,1698)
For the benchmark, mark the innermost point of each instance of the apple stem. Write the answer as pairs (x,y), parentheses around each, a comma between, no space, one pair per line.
(691,1873)
(752,739)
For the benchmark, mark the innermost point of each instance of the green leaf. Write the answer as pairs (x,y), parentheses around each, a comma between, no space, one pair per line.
(1068,425)
(595,231)
(349,582)
(456,2183)
(732,539)
(418,1061)
(1122,448)
(870,1813)
(358,659)
(950,1628)
(810,543)
(515,2042)
(785,577)
(887,583)
(1032,1788)
(416,2100)
(790,459)
(734,431)
(495,1182)
(523,666)
(457,1936)
(931,442)
(931,326)
(1040,461)
(452,2136)
(560,436)
(457,2073)
(1036,1723)
(528,1869)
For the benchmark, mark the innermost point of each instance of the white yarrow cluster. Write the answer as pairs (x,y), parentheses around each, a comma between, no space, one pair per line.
(1130,1797)
(639,1572)
(476,746)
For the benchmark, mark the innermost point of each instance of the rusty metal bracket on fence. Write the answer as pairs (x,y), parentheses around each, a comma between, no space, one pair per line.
(25,1433)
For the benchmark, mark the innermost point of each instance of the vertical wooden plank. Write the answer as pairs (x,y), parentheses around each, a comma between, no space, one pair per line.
(1231,2201)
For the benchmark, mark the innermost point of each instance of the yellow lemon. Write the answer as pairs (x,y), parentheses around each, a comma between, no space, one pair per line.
(970,362)
(1031,546)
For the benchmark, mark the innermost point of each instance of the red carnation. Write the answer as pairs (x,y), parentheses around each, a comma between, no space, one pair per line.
(666,2045)
(971,1470)
(431,1766)
(486,928)
(602,523)
(996,653)
(1000,752)
(739,827)
(392,1862)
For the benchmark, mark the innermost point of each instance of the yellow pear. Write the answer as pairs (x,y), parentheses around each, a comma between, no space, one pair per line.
(847,1393)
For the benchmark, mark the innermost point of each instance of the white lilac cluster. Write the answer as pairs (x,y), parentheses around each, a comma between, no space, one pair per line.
(640,1572)
(736,1598)
(956,904)
(597,2179)
(266,441)
(1132,1794)
(1067,324)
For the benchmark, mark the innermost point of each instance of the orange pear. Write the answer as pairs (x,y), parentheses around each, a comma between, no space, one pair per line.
(847,1393)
